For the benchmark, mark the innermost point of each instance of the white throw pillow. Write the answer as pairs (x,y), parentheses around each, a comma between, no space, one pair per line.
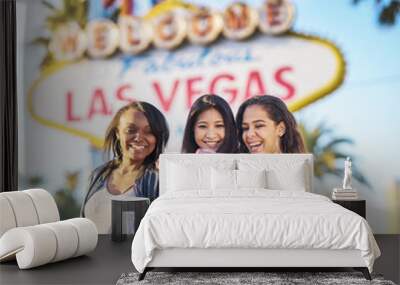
(291,177)
(282,174)
(251,178)
(183,177)
(223,179)
(226,179)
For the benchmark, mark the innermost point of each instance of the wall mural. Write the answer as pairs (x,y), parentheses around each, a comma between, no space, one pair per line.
(96,56)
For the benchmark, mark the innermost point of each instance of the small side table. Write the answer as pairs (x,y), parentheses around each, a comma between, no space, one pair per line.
(126,214)
(357,206)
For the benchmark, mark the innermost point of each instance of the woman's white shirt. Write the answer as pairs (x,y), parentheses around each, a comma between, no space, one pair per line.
(98,209)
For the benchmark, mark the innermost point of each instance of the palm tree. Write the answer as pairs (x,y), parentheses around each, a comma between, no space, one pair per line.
(388,11)
(67,204)
(327,155)
(72,10)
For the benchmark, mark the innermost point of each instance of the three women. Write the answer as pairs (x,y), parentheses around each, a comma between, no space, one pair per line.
(138,134)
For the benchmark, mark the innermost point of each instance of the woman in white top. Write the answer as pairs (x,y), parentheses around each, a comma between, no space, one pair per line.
(135,138)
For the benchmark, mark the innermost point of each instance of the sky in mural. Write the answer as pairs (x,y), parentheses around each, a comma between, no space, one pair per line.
(366,107)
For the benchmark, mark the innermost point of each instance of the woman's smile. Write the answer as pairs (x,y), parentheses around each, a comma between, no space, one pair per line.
(255,147)
(136,137)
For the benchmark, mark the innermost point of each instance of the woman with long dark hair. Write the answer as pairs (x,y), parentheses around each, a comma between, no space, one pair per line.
(210,127)
(134,140)
(265,125)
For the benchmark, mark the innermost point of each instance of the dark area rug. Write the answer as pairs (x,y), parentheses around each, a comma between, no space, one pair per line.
(273,278)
